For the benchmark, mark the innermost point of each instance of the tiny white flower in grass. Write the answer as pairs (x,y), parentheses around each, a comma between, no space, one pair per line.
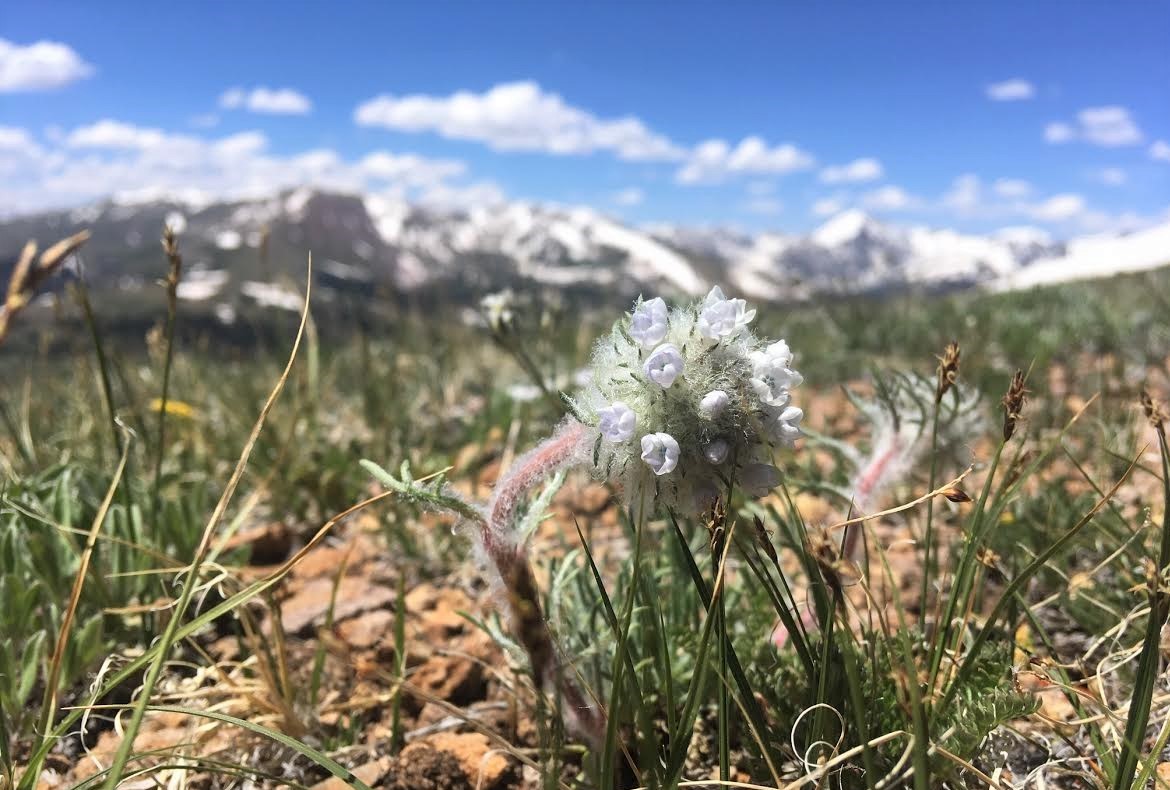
(660,452)
(497,309)
(713,404)
(759,479)
(617,422)
(771,375)
(664,365)
(648,322)
(716,451)
(722,317)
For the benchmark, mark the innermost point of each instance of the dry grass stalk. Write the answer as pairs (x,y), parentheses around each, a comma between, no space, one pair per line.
(27,277)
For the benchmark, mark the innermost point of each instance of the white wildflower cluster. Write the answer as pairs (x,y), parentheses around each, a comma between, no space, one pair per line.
(689,400)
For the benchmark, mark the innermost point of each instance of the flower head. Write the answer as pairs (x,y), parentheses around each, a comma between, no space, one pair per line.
(664,365)
(660,452)
(617,422)
(648,322)
(722,317)
(677,414)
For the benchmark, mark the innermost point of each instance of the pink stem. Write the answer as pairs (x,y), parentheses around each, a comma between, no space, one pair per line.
(509,555)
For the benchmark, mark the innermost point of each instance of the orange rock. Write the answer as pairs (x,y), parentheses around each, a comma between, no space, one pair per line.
(486,767)
(456,679)
(370,773)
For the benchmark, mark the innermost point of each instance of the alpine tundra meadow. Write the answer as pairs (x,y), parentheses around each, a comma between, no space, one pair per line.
(516,396)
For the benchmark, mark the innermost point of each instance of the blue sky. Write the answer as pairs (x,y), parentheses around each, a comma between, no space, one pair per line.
(975,116)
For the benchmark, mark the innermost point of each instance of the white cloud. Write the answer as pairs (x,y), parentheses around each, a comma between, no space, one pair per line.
(283,101)
(409,169)
(1112,176)
(890,198)
(1109,127)
(134,163)
(767,206)
(108,133)
(1012,187)
(858,170)
(715,160)
(1160,150)
(1059,208)
(14,140)
(965,197)
(40,66)
(1010,90)
(827,206)
(518,116)
(631,196)
(1057,132)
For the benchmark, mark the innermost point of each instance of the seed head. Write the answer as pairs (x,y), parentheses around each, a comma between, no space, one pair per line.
(1013,404)
(1155,410)
(948,370)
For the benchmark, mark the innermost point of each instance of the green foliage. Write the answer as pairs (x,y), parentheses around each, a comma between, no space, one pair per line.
(646,630)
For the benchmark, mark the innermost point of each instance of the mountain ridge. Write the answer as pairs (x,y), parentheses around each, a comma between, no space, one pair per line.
(379,242)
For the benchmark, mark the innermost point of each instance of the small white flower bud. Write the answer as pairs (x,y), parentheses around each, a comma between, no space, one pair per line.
(664,365)
(660,452)
(759,479)
(722,317)
(648,323)
(716,452)
(617,422)
(713,404)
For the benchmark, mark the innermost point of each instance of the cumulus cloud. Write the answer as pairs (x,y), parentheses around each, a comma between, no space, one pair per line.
(1058,132)
(1160,150)
(1012,187)
(858,170)
(827,206)
(630,196)
(1059,208)
(14,140)
(518,116)
(43,65)
(282,101)
(131,163)
(108,133)
(713,161)
(1010,90)
(1109,127)
(890,198)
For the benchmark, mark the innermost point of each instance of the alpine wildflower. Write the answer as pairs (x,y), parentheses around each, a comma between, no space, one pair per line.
(660,452)
(648,322)
(617,422)
(722,317)
(664,365)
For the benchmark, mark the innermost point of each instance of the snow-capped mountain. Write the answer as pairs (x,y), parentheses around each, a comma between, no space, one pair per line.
(366,243)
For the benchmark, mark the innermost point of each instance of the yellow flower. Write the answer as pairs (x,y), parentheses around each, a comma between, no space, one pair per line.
(175,408)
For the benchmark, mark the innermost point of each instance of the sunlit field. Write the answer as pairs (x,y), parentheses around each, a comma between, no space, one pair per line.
(281,554)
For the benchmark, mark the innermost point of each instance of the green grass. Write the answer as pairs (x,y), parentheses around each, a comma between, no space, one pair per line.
(671,635)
